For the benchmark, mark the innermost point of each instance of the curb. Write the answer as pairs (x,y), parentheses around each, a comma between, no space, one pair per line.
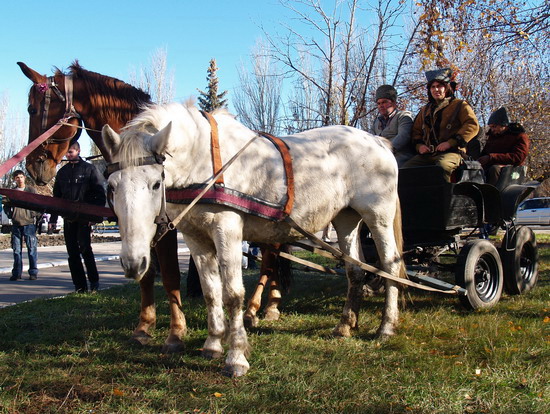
(45,265)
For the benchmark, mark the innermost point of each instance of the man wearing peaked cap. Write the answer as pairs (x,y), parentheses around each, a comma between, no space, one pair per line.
(393,124)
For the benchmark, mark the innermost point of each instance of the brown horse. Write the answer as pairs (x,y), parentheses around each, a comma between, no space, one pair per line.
(97,100)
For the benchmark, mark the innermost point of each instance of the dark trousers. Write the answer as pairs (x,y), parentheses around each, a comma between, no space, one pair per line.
(79,243)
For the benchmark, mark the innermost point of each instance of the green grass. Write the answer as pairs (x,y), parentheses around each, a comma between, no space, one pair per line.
(72,355)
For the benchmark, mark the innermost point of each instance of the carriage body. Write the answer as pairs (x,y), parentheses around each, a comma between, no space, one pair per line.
(445,229)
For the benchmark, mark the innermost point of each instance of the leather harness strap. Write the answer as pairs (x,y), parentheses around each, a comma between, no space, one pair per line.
(289,172)
(215,145)
(281,146)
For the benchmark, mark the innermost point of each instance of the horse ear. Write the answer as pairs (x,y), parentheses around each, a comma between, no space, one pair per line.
(110,138)
(31,74)
(159,141)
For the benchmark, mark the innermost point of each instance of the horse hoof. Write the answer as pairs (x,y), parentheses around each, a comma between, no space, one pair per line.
(173,348)
(210,354)
(140,339)
(250,321)
(384,335)
(234,371)
(272,315)
(343,331)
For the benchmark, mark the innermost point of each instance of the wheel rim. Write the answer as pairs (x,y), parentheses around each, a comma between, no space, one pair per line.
(486,278)
(527,263)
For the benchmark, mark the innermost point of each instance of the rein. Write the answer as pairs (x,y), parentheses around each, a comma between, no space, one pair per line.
(20,156)
(44,138)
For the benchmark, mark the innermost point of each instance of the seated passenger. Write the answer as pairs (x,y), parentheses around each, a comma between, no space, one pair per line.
(507,144)
(393,124)
(443,127)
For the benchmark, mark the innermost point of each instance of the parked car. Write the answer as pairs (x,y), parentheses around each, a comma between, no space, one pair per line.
(535,211)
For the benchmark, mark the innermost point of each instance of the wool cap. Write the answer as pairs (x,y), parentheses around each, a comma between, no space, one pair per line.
(499,117)
(386,92)
(440,75)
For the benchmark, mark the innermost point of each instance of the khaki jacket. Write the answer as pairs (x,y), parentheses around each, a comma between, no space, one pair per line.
(453,121)
(21,216)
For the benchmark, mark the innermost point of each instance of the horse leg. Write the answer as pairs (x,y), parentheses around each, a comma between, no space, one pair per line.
(147,314)
(347,226)
(255,301)
(280,282)
(271,311)
(388,241)
(167,254)
(204,254)
(268,272)
(228,245)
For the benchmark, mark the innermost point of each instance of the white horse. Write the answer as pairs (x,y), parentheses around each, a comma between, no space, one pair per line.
(342,175)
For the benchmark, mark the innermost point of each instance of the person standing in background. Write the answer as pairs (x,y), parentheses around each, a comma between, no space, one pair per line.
(79,181)
(23,228)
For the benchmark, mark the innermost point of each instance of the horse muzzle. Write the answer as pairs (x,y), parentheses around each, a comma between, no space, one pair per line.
(135,268)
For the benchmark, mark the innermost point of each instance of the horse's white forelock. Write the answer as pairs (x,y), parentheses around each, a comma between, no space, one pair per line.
(135,136)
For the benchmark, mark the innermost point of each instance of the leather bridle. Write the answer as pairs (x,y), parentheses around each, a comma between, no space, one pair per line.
(70,111)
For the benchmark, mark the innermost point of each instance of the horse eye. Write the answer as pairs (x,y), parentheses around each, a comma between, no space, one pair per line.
(156,186)
(31,110)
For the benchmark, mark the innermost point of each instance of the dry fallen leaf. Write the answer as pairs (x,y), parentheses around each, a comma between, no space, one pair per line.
(118,392)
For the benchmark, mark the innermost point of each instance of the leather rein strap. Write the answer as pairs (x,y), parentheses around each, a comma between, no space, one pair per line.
(70,112)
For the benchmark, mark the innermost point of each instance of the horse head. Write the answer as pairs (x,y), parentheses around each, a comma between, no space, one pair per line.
(49,102)
(136,192)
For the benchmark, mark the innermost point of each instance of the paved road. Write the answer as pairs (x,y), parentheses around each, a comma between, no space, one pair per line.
(54,277)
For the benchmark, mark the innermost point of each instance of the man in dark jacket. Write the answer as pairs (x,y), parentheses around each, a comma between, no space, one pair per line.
(79,181)
(507,144)
(23,227)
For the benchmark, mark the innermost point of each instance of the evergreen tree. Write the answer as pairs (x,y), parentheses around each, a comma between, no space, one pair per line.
(211,100)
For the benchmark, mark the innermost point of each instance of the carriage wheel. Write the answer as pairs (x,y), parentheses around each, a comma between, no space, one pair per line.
(479,271)
(520,261)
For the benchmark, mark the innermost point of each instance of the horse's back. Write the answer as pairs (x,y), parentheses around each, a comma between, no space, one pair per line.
(344,155)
